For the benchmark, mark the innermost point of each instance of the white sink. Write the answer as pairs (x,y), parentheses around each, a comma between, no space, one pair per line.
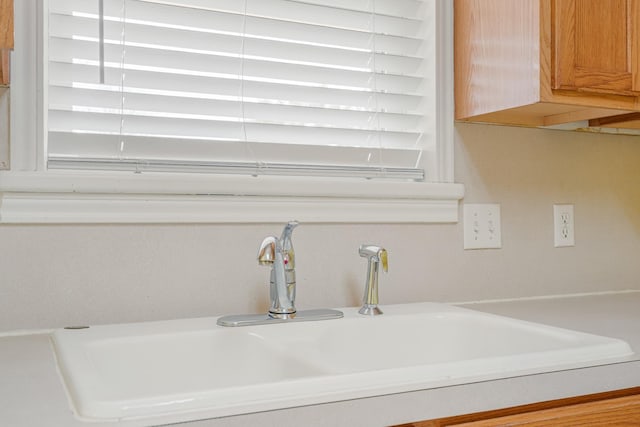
(193,366)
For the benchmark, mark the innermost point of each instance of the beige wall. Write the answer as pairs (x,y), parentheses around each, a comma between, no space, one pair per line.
(52,276)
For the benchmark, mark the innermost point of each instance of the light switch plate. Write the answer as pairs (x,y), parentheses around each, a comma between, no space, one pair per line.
(482,226)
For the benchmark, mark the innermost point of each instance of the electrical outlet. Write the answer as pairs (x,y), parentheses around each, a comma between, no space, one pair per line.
(563,229)
(482,226)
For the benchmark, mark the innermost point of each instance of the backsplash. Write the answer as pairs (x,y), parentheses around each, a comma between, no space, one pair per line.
(57,275)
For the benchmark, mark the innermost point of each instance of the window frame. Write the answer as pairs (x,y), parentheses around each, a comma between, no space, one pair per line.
(32,194)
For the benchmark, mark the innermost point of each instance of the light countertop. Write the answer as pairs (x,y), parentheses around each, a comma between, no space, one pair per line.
(32,394)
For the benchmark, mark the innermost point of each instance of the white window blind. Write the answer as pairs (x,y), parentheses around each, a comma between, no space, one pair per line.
(293,87)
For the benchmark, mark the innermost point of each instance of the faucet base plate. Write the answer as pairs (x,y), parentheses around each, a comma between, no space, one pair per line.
(265,319)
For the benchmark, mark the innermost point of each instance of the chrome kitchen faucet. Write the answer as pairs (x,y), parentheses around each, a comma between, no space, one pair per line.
(278,254)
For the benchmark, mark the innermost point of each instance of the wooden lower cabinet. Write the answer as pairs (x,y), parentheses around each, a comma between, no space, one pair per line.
(613,409)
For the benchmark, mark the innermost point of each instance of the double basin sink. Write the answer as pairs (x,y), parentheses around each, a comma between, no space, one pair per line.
(133,371)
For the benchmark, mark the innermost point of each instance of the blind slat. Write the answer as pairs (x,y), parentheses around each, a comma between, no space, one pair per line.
(190,64)
(230,109)
(165,146)
(280,11)
(397,8)
(208,45)
(207,149)
(178,127)
(235,167)
(254,28)
(196,86)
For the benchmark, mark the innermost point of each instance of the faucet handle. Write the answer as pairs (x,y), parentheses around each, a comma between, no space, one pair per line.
(287,245)
(375,255)
(288,229)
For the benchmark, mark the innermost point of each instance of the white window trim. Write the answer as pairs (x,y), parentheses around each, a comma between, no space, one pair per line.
(31,194)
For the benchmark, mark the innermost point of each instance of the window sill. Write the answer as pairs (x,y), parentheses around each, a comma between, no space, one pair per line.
(157,198)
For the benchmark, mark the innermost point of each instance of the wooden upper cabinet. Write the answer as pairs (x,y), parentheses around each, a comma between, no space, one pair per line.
(6,24)
(6,38)
(546,62)
(596,45)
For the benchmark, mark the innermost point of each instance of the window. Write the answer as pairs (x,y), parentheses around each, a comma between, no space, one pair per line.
(318,104)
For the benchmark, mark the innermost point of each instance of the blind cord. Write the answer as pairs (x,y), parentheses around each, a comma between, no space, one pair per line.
(249,152)
(375,87)
(122,78)
(101,37)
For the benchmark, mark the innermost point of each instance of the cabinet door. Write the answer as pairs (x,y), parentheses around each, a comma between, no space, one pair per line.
(6,38)
(595,45)
(6,24)
(582,411)
(621,412)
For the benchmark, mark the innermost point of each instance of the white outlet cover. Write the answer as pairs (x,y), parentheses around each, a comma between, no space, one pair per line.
(482,228)
(563,226)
